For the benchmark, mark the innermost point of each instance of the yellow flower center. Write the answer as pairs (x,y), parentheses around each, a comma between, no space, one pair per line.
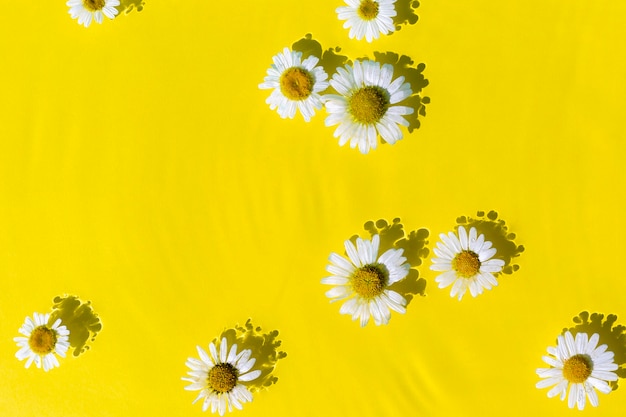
(222,377)
(577,368)
(368,10)
(94,5)
(368,104)
(466,264)
(296,83)
(42,340)
(370,280)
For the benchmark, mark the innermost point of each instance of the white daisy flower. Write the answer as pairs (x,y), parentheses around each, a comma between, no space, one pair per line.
(86,10)
(42,341)
(582,366)
(296,84)
(467,262)
(217,377)
(365,279)
(368,18)
(365,107)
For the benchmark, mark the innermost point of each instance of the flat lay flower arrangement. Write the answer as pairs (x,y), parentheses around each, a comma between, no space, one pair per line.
(390,207)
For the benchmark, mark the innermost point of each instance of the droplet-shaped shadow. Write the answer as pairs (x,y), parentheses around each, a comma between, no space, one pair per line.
(329,59)
(405,13)
(392,236)
(264,347)
(614,336)
(79,318)
(127,6)
(495,231)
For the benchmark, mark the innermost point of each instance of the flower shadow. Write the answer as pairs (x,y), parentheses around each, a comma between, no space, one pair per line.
(127,6)
(392,236)
(413,74)
(329,59)
(264,347)
(405,13)
(79,318)
(614,336)
(495,231)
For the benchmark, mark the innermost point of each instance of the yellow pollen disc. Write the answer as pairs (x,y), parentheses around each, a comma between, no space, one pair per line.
(368,10)
(368,104)
(296,84)
(42,340)
(94,5)
(577,368)
(222,377)
(369,281)
(466,264)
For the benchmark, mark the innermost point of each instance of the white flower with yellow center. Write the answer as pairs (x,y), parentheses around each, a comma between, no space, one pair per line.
(467,262)
(86,10)
(41,341)
(297,84)
(365,106)
(581,365)
(217,376)
(368,18)
(365,278)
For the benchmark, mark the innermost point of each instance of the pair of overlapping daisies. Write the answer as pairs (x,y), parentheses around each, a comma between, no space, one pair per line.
(366,104)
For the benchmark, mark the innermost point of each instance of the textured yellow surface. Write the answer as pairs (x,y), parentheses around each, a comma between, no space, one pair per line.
(141,169)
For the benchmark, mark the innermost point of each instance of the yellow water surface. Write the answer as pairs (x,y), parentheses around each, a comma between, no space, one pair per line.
(141,170)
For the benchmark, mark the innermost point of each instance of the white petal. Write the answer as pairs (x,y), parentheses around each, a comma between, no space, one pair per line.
(204,356)
(352,253)
(232,354)
(250,376)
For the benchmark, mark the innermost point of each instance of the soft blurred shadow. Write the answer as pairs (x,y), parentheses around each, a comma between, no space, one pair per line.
(79,318)
(495,231)
(264,347)
(392,236)
(614,336)
(406,15)
(127,6)
(413,74)
(330,59)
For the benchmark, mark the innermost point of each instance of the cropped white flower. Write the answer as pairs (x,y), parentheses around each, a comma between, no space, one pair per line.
(217,376)
(366,280)
(582,366)
(296,84)
(368,18)
(86,10)
(365,106)
(467,262)
(42,341)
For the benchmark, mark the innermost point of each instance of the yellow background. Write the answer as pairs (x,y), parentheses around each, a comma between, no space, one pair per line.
(141,169)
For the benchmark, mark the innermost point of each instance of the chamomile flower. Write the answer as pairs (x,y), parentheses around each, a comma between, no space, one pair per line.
(467,262)
(581,365)
(217,375)
(41,341)
(368,18)
(365,106)
(88,10)
(297,84)
(364,278)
